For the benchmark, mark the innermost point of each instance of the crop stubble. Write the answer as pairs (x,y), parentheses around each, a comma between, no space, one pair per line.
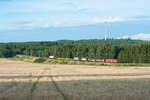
(29,81)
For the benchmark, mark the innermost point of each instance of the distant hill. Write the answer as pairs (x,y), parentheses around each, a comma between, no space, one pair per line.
(85,42)
(102,41)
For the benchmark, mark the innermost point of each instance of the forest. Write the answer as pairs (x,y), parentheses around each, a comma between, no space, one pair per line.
(125,50)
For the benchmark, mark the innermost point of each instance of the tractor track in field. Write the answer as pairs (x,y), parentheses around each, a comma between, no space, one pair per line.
(56,86)
(34,86)
(53,82)
(58,89)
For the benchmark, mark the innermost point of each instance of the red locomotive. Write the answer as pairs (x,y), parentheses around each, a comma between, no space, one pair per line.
(111,60)
(107,60)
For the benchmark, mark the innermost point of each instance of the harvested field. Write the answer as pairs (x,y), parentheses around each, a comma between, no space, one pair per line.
(30,81)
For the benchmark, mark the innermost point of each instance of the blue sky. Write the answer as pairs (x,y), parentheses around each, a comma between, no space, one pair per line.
(50,20)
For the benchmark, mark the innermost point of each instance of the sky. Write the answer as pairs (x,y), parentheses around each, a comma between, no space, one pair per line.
(51,20)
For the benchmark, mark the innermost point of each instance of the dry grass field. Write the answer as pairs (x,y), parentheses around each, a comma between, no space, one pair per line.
(30,81)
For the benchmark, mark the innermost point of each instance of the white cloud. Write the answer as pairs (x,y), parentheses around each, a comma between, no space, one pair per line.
(140,36)
(45,23)
(124,37)
(75,22)
(109,19)
(39,6)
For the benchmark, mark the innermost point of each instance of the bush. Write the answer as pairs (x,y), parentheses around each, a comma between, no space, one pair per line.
(63,62)
(40,60)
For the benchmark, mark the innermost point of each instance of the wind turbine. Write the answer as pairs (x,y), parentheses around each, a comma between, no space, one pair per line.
(107,31)
(105,34)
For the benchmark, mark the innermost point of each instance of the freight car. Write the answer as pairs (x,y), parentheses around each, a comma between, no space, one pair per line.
(76,58)
(84,59)
(91,60)
(104,60)
(51,57)
(100,60)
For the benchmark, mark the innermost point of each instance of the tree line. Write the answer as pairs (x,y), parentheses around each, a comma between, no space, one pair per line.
(134,52)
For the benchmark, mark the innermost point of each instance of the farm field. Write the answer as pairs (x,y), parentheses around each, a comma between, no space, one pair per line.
(31,81)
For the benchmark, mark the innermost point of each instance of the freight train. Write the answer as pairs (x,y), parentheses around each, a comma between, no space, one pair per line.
(87,59)
(103,60)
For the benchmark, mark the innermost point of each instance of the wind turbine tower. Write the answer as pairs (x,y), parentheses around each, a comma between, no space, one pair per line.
(105,34)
